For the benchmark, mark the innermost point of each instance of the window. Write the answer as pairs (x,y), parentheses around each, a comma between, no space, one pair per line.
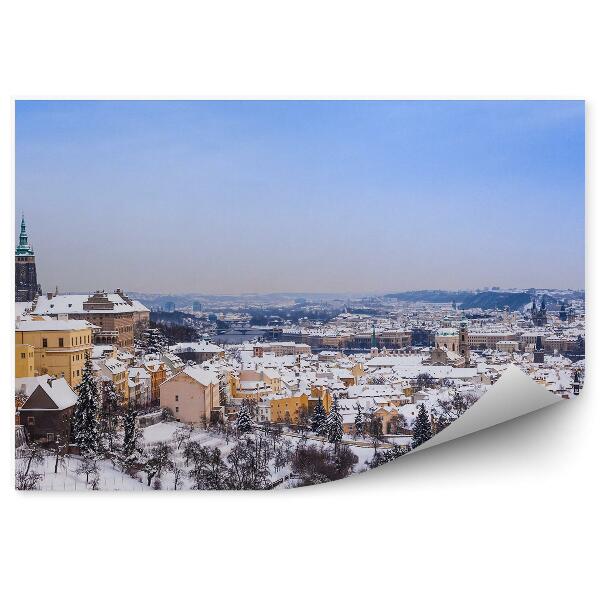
(50,437)
(30,421)
(22,354)
(44,342)
(177,409)
(176,398)
(61,342)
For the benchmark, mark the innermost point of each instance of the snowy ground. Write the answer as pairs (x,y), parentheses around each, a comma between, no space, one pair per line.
(67,479)
(112,478)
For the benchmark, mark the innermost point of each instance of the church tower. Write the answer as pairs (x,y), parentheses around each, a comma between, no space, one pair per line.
(26,285)
(539,316)
(463,341)
(543,317)
(538,353)
(563,311)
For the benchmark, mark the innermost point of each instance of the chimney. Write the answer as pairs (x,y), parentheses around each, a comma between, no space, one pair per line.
(49,295)
(50,380)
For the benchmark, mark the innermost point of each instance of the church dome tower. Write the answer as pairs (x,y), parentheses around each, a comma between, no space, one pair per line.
(26,285)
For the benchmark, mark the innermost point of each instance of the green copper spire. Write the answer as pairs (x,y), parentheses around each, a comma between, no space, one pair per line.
(23,249)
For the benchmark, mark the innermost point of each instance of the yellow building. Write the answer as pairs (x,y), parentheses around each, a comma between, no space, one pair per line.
(59,346)
(24,360)
(112,369)
(288,409)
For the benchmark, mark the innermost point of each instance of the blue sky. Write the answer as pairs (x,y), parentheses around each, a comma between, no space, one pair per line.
(230,197)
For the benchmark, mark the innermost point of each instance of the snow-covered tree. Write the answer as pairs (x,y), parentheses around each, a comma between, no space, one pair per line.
(248,465)
(85,418)
(380,458)
(421,428)
(153,341)
(318,422)
(109,414)
(335,430)
(456,404)
(87,467)
(130,433)
(359,424)
(244,421)
(440,422)
(156,460)
(209,471)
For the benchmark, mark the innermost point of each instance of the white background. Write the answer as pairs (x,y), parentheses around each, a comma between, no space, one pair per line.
(506,513)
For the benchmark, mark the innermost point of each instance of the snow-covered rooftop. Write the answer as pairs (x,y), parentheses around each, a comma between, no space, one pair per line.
(73,303)
(58,390)
(54,325)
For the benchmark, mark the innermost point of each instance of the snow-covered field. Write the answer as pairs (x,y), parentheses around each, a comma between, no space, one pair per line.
(67,480)
(110,477)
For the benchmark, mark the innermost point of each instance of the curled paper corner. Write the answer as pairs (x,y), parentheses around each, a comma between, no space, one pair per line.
(514,394)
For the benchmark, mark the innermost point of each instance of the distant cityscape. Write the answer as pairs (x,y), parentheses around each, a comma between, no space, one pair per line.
(137,391)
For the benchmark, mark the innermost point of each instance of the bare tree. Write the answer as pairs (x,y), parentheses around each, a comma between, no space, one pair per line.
(177,477)
(150,469)
(59,450)
(95,482)
(191,450)
(27,481)
(182,435)
(455,406)
(158,459)
(35,456)
(318,464)
(248,466)
(274,432)
(376,432)
(209,471)
(161,454)
(87,467)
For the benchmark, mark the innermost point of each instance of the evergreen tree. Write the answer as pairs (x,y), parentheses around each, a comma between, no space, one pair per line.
(153,341)
(335,430)
(244,421)
(110,412)
(318,421)
(359,424)
(85,418)
(129,426)
(422,427)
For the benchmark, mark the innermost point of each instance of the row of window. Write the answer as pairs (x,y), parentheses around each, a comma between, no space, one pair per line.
(83,339)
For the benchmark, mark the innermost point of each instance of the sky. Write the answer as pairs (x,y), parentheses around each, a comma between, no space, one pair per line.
(231,197)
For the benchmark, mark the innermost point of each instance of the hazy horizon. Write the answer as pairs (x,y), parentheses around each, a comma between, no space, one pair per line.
(349,197)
